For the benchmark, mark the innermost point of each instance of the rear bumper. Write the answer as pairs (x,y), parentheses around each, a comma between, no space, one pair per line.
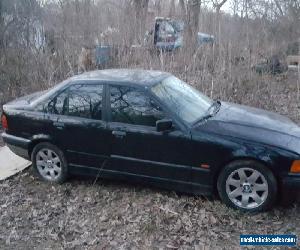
(18,145)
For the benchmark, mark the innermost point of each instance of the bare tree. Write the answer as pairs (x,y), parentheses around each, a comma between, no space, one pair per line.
(87,22)
(141,11)
(183,9)
(258,27)
(172,8)
(157,6)
(190,11)
(1,25)
(218,5)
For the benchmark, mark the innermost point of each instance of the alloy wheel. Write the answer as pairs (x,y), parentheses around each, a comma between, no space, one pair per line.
(247,188)
(48,164)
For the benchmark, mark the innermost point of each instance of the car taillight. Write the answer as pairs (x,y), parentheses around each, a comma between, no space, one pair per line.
(4,121)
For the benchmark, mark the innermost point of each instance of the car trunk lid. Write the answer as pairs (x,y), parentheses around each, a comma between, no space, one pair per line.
(22,102)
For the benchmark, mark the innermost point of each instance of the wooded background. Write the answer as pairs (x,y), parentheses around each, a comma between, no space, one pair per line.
(41,41)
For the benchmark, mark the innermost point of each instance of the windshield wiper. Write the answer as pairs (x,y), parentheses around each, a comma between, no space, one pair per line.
(210,112)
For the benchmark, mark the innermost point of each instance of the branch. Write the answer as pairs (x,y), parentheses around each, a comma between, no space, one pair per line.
(219,5)
(279,7)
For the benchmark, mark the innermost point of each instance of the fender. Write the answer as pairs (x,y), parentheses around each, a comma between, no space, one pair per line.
(35,139)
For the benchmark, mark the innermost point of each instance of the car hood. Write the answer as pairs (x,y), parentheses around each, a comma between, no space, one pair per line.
(254,117)
(254,124)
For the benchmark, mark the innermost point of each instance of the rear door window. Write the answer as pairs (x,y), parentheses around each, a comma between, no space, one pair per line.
(86,101)
(58,105)
(79,101)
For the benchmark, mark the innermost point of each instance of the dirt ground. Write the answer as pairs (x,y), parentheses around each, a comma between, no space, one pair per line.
(108,215)
(81,214)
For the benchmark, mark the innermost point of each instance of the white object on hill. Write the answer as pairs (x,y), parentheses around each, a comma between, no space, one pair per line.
(11,164)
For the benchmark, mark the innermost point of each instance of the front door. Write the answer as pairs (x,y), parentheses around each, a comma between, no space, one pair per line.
(137,149)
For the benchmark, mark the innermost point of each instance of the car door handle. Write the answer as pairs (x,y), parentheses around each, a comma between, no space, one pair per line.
(59,125)
(118,134)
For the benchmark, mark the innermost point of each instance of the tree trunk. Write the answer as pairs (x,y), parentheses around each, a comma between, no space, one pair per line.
(157,5)
(183,9)
(218,26)
(77,9)
(172,8)
(193,22)
(141,10)
(1,25)
(87,23)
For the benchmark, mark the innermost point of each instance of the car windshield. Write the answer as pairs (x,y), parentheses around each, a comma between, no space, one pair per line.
(188,103)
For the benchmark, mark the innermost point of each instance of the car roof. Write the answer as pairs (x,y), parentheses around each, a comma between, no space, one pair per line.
(127,76)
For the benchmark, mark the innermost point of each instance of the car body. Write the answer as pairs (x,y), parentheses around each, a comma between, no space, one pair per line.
(150,127)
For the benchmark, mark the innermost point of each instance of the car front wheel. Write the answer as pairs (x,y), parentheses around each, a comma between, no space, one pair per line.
(248,186)
(49,163)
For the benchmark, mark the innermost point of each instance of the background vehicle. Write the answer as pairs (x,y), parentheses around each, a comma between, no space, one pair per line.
(136,125)
(168,34)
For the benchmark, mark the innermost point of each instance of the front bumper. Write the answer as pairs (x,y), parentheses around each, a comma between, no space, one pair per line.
(18,145)
(291,181)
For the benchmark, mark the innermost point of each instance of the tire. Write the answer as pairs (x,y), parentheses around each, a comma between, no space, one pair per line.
(248,186)
(49,163)
(288,196)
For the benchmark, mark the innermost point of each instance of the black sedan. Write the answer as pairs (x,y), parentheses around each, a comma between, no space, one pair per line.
(150,127)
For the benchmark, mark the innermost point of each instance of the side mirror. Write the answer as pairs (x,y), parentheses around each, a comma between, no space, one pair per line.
(164,125)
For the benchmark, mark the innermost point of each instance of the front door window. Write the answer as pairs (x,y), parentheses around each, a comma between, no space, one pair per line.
(133,106)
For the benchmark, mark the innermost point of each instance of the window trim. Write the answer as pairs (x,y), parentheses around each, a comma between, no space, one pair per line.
(180,125)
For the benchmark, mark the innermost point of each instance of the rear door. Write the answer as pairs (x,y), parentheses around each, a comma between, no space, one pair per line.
(76,119)
(137,149)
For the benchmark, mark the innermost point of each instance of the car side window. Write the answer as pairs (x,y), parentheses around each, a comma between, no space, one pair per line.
(133,106)
(78,100)
(86,101)
(58,105)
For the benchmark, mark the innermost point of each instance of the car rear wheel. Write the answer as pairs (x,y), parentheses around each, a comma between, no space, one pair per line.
(49,163)
(248,186)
